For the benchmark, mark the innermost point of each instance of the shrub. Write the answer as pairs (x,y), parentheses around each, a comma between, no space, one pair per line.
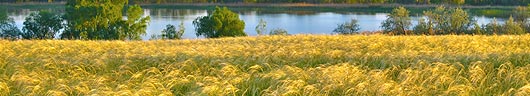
(493,27)
(42,25)
(512,27)
(278,31)
(348,28)
(449,21)
(8,29)
(221,23)
(103,20)
(423,28)
(477,29)
(261,27)
(398,22)
(171,32)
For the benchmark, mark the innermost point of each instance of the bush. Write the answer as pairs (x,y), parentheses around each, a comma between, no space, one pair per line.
(171,31)
(398,22)
(512,27)
(477,29)
(521,14)
(8,29)
(460,21)
(42,25)
(261,27)
(221,23)
(423,28)
(348,28)
(493,28)
(103,20)
(278,31)
(449,21)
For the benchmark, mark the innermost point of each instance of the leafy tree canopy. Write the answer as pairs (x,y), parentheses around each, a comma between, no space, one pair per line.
(398,22)
(171,31)
(103,19)
(221,23)
(8,29)
(42,25)
(348,28)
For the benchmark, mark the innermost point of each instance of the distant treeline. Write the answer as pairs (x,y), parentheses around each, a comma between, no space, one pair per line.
(459,2)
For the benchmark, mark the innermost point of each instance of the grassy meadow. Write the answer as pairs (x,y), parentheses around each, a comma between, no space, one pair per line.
(299,65)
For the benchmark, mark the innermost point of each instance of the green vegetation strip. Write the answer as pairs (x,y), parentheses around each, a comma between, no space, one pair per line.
(489,11)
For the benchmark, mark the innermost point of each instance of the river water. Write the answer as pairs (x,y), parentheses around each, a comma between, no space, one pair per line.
(293,22)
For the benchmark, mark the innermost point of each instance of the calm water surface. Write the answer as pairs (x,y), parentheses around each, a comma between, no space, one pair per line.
(293,22)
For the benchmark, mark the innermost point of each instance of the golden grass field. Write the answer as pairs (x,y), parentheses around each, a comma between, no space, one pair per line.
(298,65)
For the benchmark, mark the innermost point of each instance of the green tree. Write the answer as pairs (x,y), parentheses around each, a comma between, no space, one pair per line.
(221,23)
(136,25)
(423,28)
(521,14)
(493,27)
(103,19)
(261,27)
(398,22)
(93,19)
(348,28)
(171,32)
(181,30)
(459,21)
(477,29)
(8,29)
(42,25)
(438,18)
(512,27)
(449,21)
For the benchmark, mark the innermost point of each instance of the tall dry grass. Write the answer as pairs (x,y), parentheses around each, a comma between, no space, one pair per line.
(275,65)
